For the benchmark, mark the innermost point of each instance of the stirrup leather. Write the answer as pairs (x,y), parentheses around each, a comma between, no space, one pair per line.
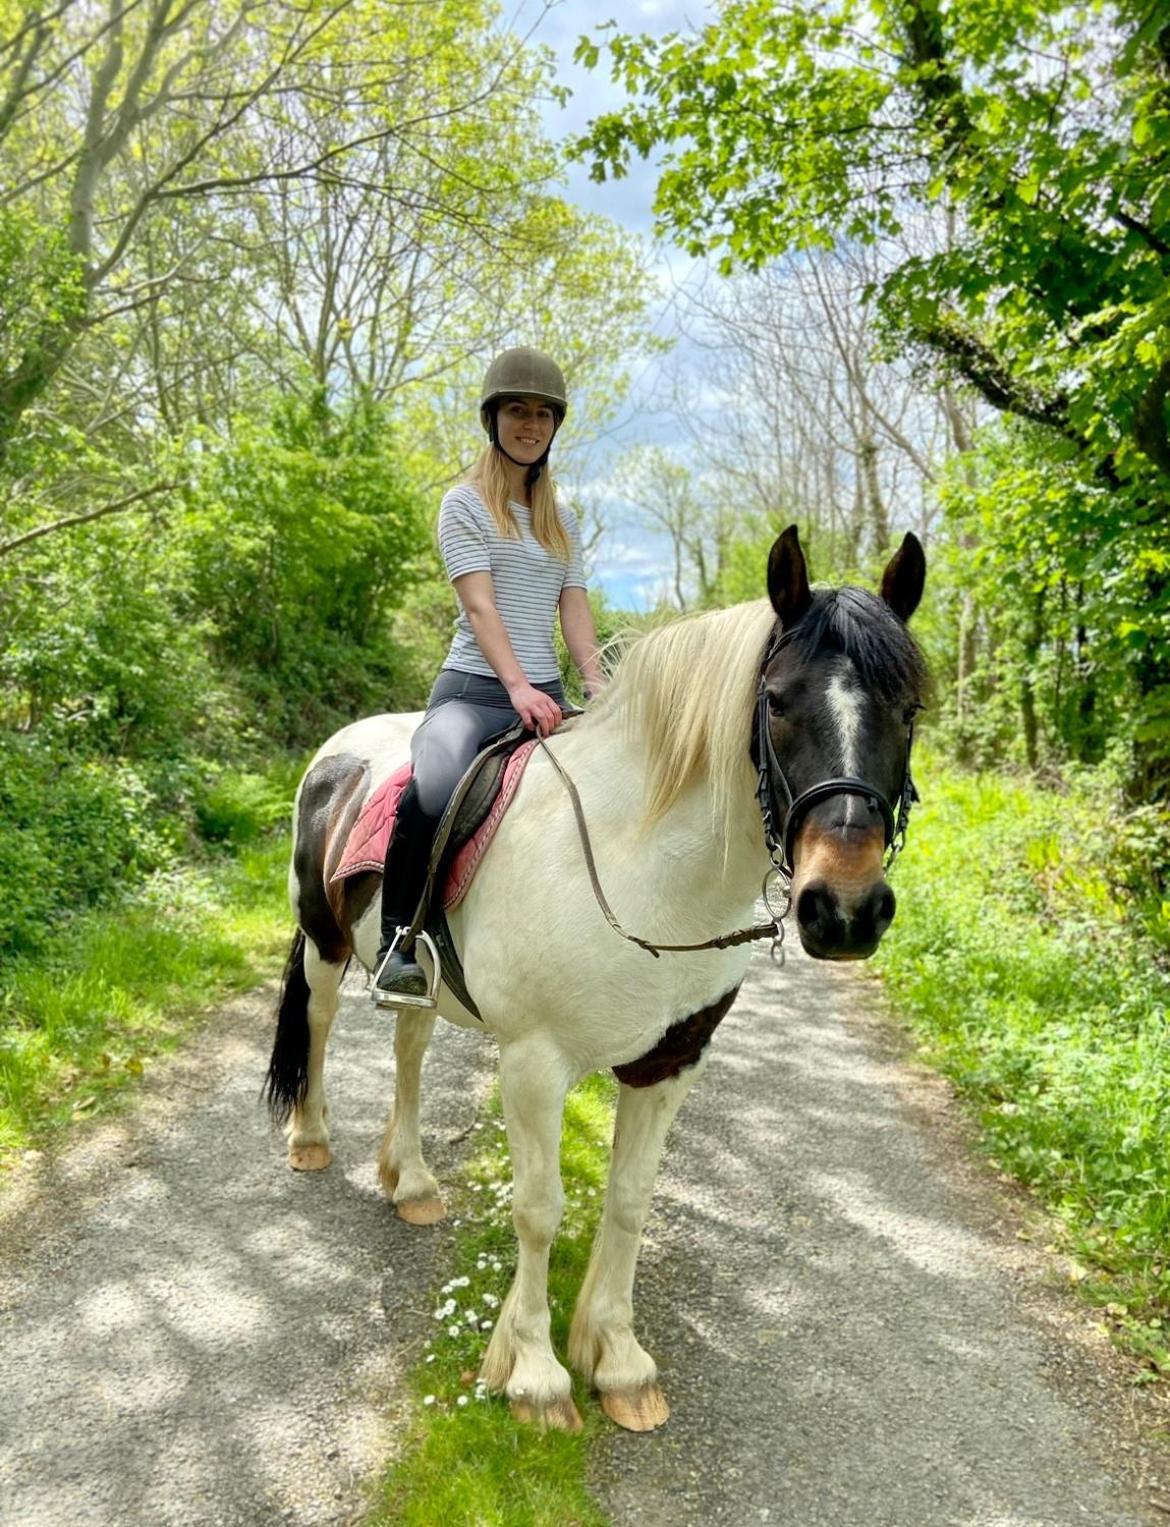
(430,997)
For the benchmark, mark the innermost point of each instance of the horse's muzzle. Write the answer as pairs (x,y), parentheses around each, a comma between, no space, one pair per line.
(834,927)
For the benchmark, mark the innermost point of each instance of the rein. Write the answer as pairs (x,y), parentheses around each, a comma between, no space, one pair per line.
(777,805)
(773,930)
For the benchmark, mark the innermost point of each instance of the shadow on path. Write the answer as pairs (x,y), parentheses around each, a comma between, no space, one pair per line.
(832,1311)
(208,1337)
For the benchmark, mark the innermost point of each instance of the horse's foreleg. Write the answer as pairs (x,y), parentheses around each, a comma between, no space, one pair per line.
(401,1169)
(520,1359)
(602,1345)
(308,1135)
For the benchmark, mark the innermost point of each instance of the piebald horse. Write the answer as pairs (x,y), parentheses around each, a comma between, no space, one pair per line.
(666,764)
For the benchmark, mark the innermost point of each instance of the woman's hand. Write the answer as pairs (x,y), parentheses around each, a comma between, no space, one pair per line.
(538,711)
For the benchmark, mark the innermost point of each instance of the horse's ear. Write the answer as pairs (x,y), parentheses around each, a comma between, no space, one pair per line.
(903,579)
(788,578)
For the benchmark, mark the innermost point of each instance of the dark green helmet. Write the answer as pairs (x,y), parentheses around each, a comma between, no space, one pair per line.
(523,373)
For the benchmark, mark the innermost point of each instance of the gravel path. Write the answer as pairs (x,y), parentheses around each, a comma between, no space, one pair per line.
(192,1334)
(849,1329)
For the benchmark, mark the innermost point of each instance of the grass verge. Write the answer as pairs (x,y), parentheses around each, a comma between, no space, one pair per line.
(1031,984)
(467,1461)
(111,989)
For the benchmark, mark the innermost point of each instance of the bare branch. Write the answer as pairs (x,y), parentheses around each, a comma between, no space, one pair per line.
(84,519)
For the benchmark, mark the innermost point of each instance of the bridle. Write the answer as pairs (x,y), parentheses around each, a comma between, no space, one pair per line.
(783,813)
(771,787)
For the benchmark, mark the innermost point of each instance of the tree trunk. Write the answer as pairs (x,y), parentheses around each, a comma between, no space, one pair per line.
(1033,641)
(879,519)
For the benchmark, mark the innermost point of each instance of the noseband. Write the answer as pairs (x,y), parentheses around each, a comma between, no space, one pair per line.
(783,813)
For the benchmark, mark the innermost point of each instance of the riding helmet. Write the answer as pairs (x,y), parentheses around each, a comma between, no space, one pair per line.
(523,373)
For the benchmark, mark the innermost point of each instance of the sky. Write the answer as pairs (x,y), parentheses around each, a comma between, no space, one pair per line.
(632,564)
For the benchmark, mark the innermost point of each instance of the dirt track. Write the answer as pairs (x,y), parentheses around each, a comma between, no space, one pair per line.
(850,1329)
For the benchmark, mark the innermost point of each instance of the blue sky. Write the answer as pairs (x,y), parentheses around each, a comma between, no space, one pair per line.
(631,563)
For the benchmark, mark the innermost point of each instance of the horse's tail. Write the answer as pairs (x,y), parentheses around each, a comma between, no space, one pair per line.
(288,1070)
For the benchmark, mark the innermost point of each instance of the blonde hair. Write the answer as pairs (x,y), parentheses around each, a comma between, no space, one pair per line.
(686,692)
(490,476)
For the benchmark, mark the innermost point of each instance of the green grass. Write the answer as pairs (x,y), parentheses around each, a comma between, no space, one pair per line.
(112,989)
(467,1461)
(1033,984)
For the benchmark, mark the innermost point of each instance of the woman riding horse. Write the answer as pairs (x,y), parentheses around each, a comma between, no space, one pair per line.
(514,556)
(774,732)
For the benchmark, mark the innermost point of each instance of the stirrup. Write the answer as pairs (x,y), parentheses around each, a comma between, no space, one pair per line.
(429,998)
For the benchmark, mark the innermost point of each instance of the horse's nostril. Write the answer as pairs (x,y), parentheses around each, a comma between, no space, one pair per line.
(814,906)
(874,914)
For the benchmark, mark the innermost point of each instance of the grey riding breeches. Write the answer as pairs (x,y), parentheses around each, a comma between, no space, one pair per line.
(463,711)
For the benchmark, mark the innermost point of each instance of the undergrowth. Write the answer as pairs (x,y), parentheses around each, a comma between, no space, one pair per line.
(1031,961)
(104,991)
(467,1461)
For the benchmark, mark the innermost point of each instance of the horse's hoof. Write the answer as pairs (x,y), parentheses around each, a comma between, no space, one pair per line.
(638,1410)
(309,1158)
(420,1211)
(560,1416)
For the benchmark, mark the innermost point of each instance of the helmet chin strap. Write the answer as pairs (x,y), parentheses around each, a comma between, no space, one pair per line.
(535,468)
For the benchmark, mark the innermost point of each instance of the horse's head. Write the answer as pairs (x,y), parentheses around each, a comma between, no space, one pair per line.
(842,680)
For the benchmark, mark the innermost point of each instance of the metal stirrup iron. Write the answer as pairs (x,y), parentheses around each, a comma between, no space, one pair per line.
(389,999)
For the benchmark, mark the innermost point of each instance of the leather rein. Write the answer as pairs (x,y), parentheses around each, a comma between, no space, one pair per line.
(781,814)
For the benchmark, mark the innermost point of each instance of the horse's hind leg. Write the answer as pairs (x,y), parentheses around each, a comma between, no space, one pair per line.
(308,1136)
(404,1175)
(602,1345)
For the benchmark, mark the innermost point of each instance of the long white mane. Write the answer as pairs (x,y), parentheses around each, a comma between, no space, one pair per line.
(685,694)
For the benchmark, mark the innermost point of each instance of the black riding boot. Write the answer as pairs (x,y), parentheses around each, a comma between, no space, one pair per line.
(403,881)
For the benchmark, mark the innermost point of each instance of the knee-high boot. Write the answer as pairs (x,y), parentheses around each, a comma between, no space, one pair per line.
(403,881)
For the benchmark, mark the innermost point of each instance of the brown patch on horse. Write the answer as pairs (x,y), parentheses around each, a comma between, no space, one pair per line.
(680,1046)
(331,797)
(355,896)
(850,862)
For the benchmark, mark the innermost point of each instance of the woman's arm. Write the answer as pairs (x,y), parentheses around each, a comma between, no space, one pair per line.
(581,638)
(478,597)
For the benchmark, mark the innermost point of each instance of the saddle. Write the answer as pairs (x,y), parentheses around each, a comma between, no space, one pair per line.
(465,829)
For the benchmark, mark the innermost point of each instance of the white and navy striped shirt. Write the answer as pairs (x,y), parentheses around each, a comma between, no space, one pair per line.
(526,578)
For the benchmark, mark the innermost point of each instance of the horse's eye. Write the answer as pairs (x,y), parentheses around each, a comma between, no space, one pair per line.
(775,704)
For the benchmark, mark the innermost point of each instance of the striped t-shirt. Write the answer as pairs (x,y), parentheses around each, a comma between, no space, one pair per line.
(527,580)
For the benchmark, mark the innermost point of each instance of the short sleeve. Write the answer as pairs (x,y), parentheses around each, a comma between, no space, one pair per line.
(462,541)
(575,571)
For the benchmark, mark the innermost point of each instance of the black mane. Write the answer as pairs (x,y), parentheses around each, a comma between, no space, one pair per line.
(862,627)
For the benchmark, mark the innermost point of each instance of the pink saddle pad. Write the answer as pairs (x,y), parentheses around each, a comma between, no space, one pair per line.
(365,848)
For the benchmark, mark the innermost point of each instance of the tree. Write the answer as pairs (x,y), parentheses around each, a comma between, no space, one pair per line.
(1040,134)
(663,490)
(111,120)
(341,198)
(809,421)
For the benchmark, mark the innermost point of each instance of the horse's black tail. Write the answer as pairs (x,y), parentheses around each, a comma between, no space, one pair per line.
(288,1070)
